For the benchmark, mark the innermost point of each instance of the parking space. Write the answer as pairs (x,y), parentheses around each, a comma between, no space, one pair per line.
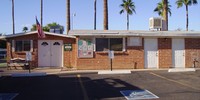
(167,86)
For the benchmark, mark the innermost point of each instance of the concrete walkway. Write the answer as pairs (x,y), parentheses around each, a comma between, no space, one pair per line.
(50,71)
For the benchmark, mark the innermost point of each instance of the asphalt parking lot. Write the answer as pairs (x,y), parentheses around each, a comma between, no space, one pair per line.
(167,86)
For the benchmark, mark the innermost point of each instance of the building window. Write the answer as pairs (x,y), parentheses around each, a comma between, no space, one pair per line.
(23,45)
(102,44)
(105,44)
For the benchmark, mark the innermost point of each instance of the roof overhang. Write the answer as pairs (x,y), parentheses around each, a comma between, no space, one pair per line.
(124,33)
(35,32)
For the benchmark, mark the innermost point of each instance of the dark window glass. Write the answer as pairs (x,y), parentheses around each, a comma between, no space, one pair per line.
(116,44)
(105,44)
(18,46)
(101,44)
(22,46)
(27,46)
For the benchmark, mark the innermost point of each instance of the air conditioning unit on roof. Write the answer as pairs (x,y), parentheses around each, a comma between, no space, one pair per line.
(155,23)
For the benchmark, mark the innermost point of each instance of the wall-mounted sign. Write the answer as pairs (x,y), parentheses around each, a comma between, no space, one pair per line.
(85,48)
(134,41)
(68,47)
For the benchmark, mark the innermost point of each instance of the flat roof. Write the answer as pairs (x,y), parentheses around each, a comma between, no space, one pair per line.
(124,33)
(35,32)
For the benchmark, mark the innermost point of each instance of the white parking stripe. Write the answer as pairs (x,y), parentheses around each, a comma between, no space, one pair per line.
(171,80)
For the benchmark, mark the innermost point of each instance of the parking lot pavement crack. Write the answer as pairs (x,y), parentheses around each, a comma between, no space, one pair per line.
(171,80)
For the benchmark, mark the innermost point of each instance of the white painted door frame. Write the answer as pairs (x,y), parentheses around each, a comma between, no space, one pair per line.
(178,53)
(151,52)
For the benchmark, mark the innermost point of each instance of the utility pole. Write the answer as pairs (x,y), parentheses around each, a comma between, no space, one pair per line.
(68,16)
(95,13)
(13,16)
(41,20)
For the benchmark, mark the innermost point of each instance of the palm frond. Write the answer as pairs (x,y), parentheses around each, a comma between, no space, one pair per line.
(159,8)
(122,11)
(179,3)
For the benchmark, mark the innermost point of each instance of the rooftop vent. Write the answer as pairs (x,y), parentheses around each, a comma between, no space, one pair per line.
(155,23)
(56,29)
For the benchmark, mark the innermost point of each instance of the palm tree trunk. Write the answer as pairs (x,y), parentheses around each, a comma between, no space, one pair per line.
(41,16)
(105,14)
(127,21)
(68,16)
(187,18)
(165,15)
(13,17)
(95,13)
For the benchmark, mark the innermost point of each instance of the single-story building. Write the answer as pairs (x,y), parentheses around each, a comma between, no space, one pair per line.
(136,49)
(53,51)
(88,49)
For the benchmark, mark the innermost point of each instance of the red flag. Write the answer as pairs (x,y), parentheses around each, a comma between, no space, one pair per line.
(41,34)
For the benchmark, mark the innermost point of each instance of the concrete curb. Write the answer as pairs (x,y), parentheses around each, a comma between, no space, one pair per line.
(28,74)
(182,70)
(60,71)
(115,72)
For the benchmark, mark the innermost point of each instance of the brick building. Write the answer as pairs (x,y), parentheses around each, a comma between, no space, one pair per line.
(136,49)
(88,49)
(46,52)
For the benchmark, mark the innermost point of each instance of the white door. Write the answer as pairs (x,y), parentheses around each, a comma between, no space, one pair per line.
(178,53)
(151,53)
(50,53)
(44,51)
(56,53)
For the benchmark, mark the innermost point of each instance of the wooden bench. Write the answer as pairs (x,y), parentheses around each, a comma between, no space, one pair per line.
(16,62)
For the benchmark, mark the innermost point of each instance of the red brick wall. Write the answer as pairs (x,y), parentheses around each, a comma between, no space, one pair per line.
(192,51)
(69,59)
(132,58)
(165,52)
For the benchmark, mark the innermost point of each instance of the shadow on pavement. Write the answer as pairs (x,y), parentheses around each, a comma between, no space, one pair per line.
(63,88)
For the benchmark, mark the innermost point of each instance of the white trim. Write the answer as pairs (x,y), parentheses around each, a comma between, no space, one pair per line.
(13,45)
(62,52)
(35,32)
(124,44)
(120,33)
(94,44)
(31,50)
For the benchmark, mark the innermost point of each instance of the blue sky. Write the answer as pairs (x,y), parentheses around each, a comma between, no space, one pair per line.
(55,11)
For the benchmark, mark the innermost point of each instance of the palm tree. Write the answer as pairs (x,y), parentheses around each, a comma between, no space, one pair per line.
(13,17)
(25,29)
(68,16)
(105,14)
(160,9)
(33,28)
(129,7)
(187,3)
(165,14)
